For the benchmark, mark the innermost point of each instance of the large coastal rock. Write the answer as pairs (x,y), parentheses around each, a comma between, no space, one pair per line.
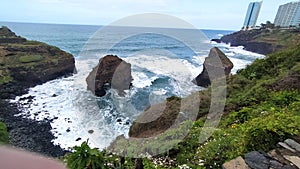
(213,67)
(156,119)
(24,63)
(111,72)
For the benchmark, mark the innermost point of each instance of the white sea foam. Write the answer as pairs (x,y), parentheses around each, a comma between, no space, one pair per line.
(180,70)
(141,80)
(73,109)
(240,50)
(238,64)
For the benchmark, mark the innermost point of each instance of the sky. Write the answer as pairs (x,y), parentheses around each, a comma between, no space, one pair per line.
(203,14)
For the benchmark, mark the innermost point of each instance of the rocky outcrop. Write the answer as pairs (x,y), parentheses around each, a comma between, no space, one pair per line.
(285,156)
(156,119)
(24,63)
(111,72)
(159,118)
(246,39)
(8,36)
(215,66)
(262,41)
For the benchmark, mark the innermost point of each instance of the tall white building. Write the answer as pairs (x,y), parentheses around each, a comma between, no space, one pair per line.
(288,15)
(252,15)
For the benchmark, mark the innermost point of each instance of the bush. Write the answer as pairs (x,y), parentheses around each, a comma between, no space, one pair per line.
(3,134)
(85,157)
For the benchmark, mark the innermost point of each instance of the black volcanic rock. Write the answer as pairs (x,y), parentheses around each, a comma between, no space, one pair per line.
(216,40)
(214,65)
(248,40)
(111,72)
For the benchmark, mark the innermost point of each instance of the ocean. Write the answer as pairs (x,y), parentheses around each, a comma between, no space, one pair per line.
(161,67)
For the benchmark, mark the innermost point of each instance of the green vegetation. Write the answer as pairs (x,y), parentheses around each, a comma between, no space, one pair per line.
(32,42)
(4,77)
(262,109)
(85,157)
(3,134)
(285,38)
(30,58)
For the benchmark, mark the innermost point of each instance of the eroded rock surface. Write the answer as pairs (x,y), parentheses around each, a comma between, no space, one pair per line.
(111,72)
(216,65)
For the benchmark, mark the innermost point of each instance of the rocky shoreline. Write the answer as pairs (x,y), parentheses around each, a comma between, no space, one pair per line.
(262,41)
(28,134)
(24,64)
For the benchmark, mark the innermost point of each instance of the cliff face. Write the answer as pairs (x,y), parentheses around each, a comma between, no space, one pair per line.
(263,41)
(24,63)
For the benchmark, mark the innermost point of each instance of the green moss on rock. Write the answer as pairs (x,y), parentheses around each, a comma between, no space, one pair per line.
(30,58)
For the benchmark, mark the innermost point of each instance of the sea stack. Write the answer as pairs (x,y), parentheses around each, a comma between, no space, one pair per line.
(214,65)
(111,72)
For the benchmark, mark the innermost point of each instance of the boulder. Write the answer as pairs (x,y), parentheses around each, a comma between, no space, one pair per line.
(293,144)
(216,65)
(257,160)
(111,72)
(238,163)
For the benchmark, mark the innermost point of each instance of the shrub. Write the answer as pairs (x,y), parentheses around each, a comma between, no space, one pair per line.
(85,158)
(3,134)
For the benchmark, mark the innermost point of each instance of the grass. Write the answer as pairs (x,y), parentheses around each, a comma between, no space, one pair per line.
(285,38)
(5,77)
(30,58)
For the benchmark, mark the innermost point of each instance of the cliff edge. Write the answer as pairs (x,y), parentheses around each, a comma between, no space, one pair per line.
(25,63)
(263,41)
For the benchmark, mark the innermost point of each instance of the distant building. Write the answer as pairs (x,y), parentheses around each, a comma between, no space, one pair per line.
(252,15)
(288,15)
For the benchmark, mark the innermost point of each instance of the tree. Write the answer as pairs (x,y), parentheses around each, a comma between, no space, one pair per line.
(267,25)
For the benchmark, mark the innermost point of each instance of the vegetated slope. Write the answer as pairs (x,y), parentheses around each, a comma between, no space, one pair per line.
(262,108)
(264,41)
